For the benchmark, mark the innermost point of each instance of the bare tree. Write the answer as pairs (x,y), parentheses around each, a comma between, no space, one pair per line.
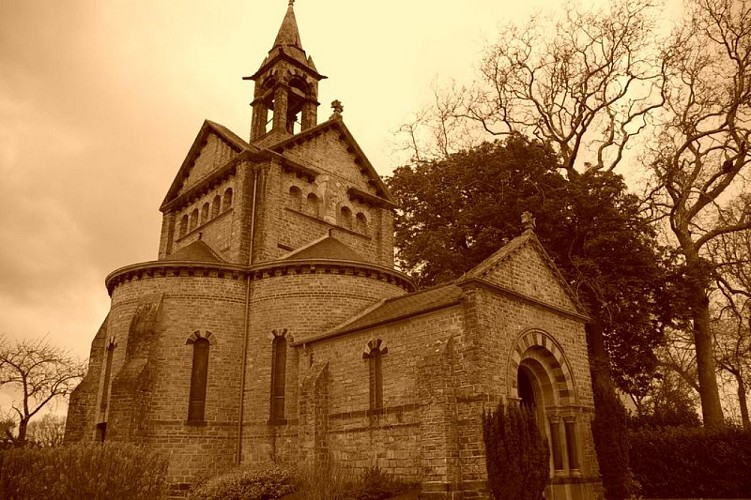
(39,372)
(732,324)
(47,431)
(701,155)
(584,83)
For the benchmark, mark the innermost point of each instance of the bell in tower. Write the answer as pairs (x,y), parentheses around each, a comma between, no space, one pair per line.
(286,86)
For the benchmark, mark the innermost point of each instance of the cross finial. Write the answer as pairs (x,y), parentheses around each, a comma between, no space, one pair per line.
(291,3)
(338,107)
(528,222)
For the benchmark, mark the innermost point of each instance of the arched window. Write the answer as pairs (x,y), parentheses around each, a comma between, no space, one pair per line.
(205,213)
(183,225)
(278,377)
(107,375)
(345,217)
(227,199)
(361,223)
(194,219)
(295,198)
(374,355)
(198,379)
(314,205)
(216,206)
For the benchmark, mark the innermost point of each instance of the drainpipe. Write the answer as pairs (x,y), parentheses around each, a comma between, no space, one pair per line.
(238,457)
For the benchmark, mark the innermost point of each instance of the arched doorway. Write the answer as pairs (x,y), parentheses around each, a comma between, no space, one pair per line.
(541,378)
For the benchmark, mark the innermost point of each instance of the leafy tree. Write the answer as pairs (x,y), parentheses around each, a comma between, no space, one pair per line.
(516,454)
(457,211)
(40,372)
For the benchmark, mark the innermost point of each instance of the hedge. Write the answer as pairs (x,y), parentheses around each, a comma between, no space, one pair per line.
(685,462)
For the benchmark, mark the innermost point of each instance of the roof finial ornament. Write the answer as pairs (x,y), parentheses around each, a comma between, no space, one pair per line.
(291,3)
(338,108)
(528,222)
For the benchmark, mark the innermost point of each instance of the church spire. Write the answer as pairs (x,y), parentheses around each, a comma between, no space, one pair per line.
(285,84)
(288,32)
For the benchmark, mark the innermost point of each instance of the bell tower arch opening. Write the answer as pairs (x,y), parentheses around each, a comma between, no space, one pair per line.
(286,85)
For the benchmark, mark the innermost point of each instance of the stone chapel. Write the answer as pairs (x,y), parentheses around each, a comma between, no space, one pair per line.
(274,326)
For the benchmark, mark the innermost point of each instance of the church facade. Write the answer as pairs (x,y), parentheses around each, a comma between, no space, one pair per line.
(274,326)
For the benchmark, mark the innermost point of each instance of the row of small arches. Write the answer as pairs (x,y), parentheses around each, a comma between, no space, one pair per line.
(312,206)
(219,205)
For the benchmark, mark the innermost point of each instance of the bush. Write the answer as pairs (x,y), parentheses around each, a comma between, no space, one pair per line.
(516,455)
(249,482)
(680,462)
(377,485)
(331,481)
(112,471)
(326,481)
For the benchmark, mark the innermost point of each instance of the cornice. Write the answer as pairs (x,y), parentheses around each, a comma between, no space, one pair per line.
(369,199)
(518,295)
(167,268)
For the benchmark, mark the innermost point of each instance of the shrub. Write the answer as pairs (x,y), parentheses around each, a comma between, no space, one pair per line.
(331,481)
(112,471)
(261,481)
(680,462)
(516,455)
(377,485)
(326,481)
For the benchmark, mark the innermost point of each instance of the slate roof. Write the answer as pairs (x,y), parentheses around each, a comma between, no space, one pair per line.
(328,248)
(404,306)
(198,251)
(288,44)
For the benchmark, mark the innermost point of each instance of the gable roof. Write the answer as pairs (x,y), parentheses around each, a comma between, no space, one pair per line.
(326,247)
(198,251)
(528,238)
(208,127)
(336,123)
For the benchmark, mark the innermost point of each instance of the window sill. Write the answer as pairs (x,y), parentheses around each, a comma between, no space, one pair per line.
(196,423)
(278,421)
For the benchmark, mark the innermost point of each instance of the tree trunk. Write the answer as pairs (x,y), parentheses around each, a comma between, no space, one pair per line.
(22,425)
(710,395)
(742,401)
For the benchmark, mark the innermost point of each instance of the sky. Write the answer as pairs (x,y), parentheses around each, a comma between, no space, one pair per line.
(100,102)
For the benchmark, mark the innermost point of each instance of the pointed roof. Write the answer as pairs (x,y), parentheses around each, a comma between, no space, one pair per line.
(328,248)
(198,251)
(287,45)
(288,32)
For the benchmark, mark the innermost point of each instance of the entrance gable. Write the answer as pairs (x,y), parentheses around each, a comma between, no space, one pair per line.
(524,268)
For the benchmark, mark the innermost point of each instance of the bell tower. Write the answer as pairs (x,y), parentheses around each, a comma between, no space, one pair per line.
(286,86)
